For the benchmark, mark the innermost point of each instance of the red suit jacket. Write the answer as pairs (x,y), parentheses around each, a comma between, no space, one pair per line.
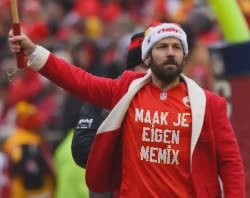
(214,149)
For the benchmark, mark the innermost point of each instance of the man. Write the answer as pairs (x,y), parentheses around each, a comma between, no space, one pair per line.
(165,136)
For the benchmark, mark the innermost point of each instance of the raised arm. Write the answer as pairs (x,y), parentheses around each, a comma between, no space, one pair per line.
(95,90)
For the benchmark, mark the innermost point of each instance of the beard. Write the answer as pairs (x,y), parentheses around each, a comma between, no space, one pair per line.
(164,73)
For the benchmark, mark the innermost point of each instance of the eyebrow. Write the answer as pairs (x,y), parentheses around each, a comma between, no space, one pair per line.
(172,43)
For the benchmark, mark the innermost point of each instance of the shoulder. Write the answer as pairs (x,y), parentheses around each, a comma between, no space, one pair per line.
(211,94)
(214,99)
(131,75)
(94,112)
(125,80)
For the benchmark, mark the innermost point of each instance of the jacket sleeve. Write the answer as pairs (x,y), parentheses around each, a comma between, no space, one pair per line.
(99,91)
(229,157)
(84,133)
(76,81)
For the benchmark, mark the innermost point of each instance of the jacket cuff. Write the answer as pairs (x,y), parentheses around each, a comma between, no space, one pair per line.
(38,58)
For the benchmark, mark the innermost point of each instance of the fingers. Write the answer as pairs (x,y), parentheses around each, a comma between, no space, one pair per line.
(11,33)
(16,48)
(18,38)
(15,42)
(21,43)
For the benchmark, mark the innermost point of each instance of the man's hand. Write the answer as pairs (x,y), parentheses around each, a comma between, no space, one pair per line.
(21,43)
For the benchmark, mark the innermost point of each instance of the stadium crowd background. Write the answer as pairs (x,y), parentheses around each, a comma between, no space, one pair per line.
(93,35)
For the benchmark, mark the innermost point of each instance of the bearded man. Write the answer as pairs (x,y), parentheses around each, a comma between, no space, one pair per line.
(165,136)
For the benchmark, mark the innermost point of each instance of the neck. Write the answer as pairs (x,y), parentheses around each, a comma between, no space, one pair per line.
(164,85)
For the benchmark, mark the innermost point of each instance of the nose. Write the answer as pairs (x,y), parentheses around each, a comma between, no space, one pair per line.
(170,51)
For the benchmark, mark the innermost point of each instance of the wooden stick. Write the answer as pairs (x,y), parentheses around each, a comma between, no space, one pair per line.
(16,31)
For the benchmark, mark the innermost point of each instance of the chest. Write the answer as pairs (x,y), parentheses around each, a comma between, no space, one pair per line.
(157,131)
(156,109)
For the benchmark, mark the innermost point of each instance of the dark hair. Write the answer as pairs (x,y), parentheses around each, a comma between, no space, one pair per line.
(134,51)
(191,37)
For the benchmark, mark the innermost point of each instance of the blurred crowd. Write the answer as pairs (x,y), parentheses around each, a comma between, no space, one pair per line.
(36,116)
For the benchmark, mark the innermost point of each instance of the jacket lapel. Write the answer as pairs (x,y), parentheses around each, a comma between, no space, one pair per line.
(116,116)
(103,170)
(197,99)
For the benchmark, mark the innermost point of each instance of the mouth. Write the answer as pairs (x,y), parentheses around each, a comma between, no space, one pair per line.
(171,62)
(170,65)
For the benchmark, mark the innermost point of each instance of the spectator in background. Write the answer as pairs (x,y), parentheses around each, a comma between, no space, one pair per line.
(92,116)
(198,65)
(41,93)
(167,10)
(33,20)
(69,177)
(202,31)
(204,25)
(31,167)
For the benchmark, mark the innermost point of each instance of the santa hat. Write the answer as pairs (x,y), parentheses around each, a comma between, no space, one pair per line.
(134,50)
(164,30)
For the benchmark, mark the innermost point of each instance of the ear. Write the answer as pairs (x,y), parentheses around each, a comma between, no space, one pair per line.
(147,61)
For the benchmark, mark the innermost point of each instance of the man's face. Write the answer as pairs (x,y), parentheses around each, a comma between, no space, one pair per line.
(167,59)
